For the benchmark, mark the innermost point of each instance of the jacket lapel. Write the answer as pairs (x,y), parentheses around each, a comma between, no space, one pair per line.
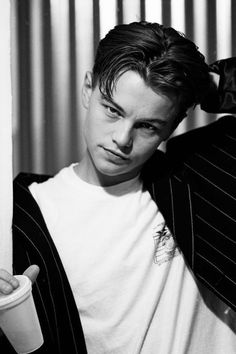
(32,243)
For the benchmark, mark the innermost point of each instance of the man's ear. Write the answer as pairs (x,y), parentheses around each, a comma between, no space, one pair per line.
(87,89)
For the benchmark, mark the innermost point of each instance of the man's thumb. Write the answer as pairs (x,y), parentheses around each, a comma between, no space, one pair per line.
(32,272)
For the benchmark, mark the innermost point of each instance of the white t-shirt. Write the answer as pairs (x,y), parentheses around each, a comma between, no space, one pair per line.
(132,288)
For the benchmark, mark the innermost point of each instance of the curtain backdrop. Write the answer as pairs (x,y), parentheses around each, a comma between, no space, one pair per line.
(53,44)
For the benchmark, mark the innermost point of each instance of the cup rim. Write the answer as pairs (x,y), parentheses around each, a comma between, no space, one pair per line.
(24,286)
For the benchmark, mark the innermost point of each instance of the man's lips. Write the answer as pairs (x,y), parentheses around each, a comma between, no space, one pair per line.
(118,154)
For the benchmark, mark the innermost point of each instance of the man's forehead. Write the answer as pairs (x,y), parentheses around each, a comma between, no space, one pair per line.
(109,87)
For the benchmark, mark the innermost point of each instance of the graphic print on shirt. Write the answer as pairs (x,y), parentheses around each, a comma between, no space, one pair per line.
(165,245)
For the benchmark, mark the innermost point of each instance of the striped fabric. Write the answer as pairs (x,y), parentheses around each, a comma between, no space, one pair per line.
(55,303)
(201,194)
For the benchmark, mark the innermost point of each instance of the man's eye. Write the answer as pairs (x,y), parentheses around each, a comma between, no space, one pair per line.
(111,111)
(148,126)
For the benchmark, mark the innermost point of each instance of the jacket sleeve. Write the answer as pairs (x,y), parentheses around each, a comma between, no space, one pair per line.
(223,98)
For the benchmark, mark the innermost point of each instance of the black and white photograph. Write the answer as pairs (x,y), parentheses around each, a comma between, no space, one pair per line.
(118,177)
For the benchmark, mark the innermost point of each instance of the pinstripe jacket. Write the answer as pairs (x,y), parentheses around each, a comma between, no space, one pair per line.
(195,189)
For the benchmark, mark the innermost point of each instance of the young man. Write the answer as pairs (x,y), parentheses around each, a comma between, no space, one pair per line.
(119,235)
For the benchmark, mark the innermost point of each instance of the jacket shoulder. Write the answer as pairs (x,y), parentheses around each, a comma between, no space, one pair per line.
(25,179)
(22,197)
(200,139)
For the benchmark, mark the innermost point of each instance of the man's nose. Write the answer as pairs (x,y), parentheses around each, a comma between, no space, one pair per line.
(123,135)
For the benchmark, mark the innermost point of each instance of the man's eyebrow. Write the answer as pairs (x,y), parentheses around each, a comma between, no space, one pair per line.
(156,120)
(120,109)
(110,100)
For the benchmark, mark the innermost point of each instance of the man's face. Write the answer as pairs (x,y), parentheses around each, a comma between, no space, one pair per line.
(122,133)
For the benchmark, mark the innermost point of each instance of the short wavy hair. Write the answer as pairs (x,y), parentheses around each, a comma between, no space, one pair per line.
(168,62)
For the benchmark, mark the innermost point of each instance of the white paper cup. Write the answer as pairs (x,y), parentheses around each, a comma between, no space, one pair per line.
(18,318)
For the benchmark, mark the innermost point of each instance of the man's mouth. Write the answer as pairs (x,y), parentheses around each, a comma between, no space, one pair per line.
(117,154)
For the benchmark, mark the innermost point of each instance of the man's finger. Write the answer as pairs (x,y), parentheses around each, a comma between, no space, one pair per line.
(6,277)
(32,272)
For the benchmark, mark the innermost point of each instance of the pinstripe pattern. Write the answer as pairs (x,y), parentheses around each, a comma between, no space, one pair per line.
(203,197)
(172,205)
(192,228)
(53,296)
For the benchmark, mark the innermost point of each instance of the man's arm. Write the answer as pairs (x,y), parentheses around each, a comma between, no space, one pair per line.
(222,96)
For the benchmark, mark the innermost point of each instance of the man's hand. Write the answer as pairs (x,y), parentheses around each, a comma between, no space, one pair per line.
(8,283)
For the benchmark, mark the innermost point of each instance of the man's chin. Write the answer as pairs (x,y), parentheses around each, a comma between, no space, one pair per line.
(116,176)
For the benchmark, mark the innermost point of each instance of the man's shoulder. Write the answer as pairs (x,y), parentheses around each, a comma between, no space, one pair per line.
(155,168)
(27,217)
(201,139)
(25,179)
(21,193)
